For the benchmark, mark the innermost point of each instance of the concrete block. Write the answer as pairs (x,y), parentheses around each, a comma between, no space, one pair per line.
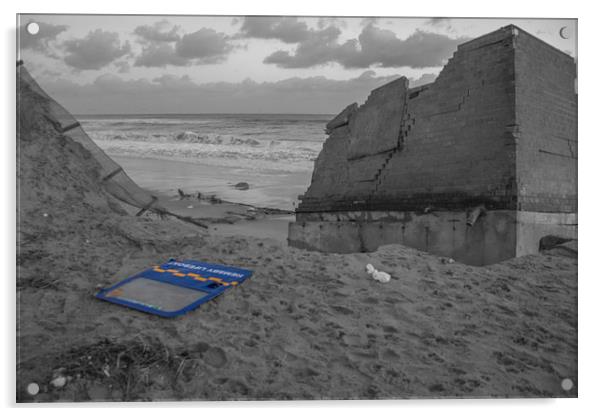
(491,239)
(376,124)
(342,118)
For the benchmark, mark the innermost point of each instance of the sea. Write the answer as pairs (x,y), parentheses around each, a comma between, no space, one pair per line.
(274,152)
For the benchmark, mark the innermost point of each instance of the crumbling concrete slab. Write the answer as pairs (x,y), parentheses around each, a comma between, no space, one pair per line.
(533,226)
(342,119)
(491,239)
(376,124)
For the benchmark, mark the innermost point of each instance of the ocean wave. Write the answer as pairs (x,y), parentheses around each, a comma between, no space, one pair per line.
(184,137)
(237,157)
(192,137)
(284,156)
(155,122)
(274,143)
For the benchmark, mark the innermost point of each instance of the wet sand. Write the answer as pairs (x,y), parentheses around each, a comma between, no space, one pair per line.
(267,189)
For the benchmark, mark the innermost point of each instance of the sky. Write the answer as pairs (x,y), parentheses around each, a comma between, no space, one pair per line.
(112,64)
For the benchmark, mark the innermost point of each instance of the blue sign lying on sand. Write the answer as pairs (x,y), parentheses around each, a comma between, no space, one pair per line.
(175,287)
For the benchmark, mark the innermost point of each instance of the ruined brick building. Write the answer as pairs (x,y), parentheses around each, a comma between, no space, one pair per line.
(478,165)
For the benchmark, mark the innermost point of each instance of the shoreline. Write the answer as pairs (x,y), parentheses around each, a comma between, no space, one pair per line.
(266,189)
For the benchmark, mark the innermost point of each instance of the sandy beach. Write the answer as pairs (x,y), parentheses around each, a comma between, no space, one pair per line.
(306,325)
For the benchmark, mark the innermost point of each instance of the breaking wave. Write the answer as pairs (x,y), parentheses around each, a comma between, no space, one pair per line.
(262,143)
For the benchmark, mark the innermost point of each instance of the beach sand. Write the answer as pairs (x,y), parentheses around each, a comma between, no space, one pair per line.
(306,325)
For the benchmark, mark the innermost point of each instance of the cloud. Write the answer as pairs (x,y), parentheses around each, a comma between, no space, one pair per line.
(95,51)
(160,55)
(319,48)
(169,93)
(158,32)
(366,21)
(374,46)
(40,41)
(285,29)
(162,47)
(424,79)
(204,44)
(420,50)
(444,23)
(123,67)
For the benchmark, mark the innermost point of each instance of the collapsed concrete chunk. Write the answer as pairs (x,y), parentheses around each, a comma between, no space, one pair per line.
(342,119)
(376,125)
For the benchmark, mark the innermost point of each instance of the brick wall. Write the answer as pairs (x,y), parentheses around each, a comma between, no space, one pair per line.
(330,179)
(503,107)
(546,105)
(457,141)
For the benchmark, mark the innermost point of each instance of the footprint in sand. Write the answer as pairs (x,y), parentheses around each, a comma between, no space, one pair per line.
(116,324)
(435,357)
(352,340)
(201,347)
(390,355)
(341,309)
(370,300)
(238,388)
(306,372)
(436,388)
(466,385)
(390,329)
(250,343)
(215,357)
